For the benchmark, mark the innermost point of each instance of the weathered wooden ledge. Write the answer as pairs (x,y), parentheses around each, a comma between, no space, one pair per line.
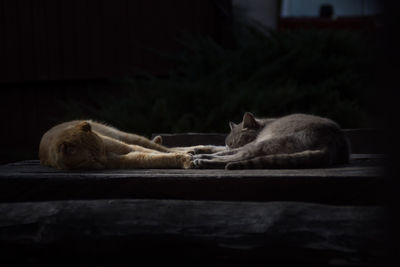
(192,232)
(358,183)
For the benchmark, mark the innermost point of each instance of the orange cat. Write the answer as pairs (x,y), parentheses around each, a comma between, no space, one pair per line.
(87,144)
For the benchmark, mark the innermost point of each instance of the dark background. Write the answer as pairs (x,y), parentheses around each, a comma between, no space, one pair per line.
(176,66)
(193,68)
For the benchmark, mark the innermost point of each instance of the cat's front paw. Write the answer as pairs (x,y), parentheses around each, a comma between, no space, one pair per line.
(197,163)
(158,140)
(186,161)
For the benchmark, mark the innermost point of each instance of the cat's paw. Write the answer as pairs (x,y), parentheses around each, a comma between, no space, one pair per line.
(188,164)
(157,139)
(186,161)
(197,163)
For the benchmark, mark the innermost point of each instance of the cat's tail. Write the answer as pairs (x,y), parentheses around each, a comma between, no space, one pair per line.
(304,159)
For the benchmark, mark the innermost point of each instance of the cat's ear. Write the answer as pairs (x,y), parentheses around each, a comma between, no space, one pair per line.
(66,148)
(232,125)
(249,121)
(84,126)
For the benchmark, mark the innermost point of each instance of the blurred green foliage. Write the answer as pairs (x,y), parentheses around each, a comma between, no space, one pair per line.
(270,73)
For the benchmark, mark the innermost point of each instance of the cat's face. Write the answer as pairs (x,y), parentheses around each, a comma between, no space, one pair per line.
(80,148)
(244,132)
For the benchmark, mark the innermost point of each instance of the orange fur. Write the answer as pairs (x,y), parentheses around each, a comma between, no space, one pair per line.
(92,145)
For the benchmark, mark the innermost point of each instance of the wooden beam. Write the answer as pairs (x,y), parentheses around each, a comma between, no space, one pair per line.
(359,183)
(124,229)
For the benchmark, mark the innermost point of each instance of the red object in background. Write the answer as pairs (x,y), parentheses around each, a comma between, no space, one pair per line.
(364,23)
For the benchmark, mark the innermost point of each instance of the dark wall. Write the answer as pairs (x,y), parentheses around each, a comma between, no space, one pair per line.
(89,39)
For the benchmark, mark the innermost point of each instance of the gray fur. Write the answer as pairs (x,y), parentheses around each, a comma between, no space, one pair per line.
(293,141)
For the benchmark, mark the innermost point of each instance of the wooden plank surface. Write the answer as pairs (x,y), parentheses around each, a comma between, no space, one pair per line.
(135,230)
(360,183)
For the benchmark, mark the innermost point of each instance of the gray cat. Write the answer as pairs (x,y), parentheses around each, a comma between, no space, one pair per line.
(293,141)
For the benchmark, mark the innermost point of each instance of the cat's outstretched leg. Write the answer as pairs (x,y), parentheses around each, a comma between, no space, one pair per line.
(140,160)
(143,141)
(216,162)
(208,149)
(121,148)
(279,145)
(128,138)
(226,152)
(200,149)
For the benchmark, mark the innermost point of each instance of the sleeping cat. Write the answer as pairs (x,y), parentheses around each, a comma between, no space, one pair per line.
(91,145)
(293,141)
